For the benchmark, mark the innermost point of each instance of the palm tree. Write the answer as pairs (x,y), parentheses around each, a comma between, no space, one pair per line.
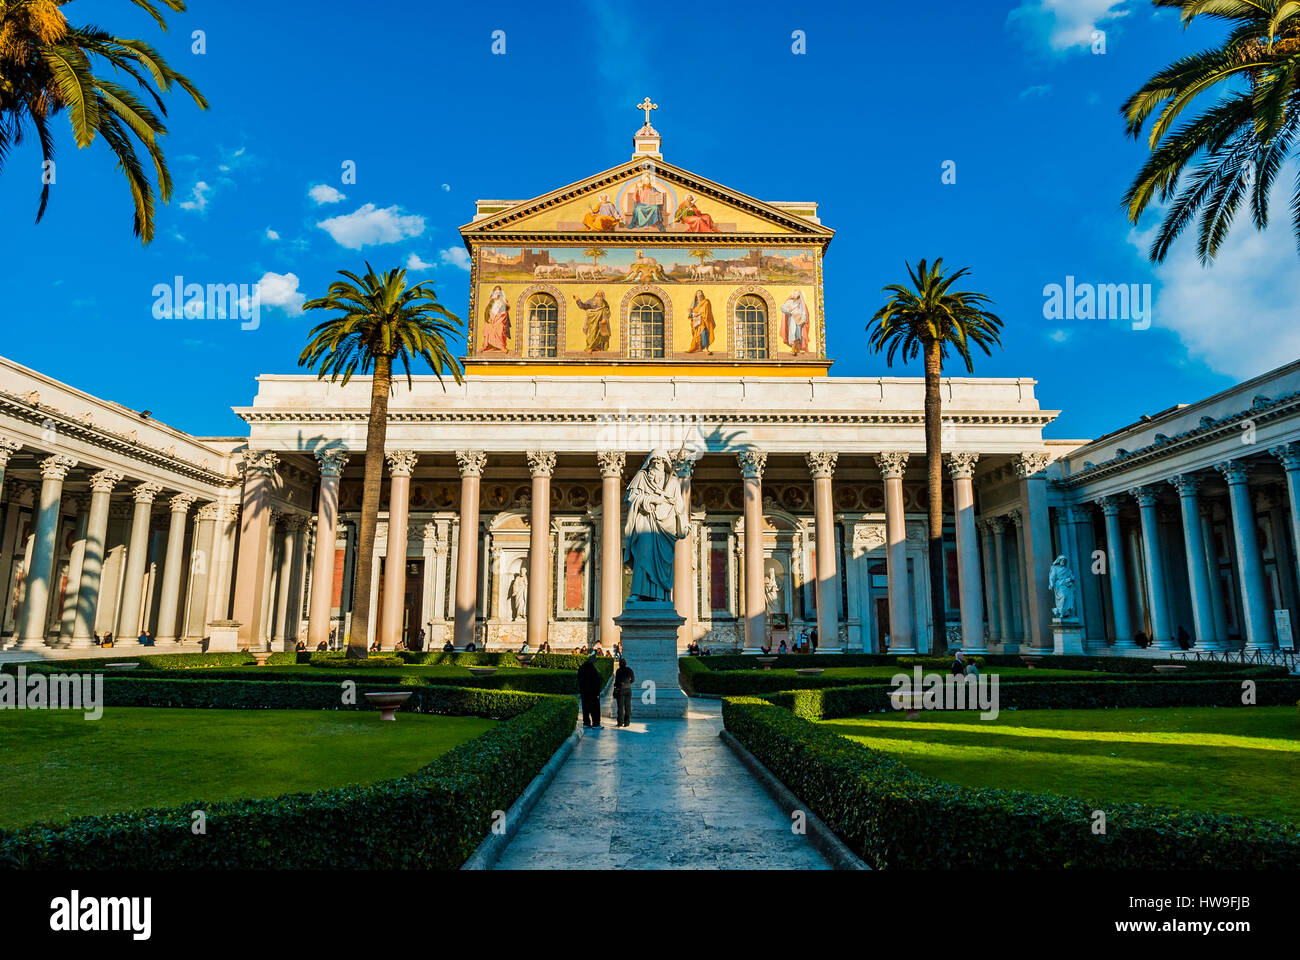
(45,68)
(596,254)
(379,320)
(1239,142)
(927,320)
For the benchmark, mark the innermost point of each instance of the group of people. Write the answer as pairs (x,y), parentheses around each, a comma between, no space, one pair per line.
(145,639)
(589,685)
(320,647)
(696,649)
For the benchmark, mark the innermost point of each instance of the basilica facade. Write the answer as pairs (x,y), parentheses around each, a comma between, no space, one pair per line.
(646,308)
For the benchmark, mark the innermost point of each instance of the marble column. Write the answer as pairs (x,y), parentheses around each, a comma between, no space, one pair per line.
(752,463)
(169,602)
(1022,573)
(321,602)
(92,560)
(1153,560)
(401,464)
(1250,566)
(137,559)
(254,538)
(35,610)
(1289,455)
(611,544)
(821,464)
(541,464)
(683,564)
(1083,539)
(902,633)
(997,527)
(280,637)
(1110,507)
(961,467)
(1038,547)
(1217,605)
(1198,575)
(985,531)
(76,560)
(195,620)
(7,449)
(471,464)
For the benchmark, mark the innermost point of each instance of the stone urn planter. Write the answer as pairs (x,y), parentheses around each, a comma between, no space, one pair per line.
(482,671)
(766,662)
(388,702)
(261,656)
(1031,662)
(1170,667)
(809,671)
(120,666)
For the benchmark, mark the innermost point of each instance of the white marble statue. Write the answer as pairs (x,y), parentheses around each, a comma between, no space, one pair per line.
(518,596)
(656,520)
(1061,582)
(772,587)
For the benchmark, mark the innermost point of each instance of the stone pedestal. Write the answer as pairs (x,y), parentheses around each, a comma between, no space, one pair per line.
(1067,637)
(649,632)
(223,636)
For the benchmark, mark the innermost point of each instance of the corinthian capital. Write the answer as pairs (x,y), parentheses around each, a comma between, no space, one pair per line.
(961,466)
(611,462)
(892,464)
(331,462)
(471,462)
(145,492)
(401,463)
(1234,471)
(752,462)
(7,449)
(259,462)
(182,502)
(105,481)
(541,463)
(57,467)
(821,463)
(1029,464)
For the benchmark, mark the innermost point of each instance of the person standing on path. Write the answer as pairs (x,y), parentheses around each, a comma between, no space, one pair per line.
(589,692)
(624,678)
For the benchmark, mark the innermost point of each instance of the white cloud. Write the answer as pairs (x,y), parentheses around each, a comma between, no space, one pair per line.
(1237,316)
(368,225)
(1066,24)
(271,234)
(446,186)
(198,197)
(1038,90)
(456,256)
(1059,335)
(413,262)
(323,193)
(281,290)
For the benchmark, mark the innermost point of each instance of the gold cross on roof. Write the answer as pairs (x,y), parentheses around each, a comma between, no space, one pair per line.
(647,106)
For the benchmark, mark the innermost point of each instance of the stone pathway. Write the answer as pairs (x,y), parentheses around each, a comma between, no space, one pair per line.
(658,795)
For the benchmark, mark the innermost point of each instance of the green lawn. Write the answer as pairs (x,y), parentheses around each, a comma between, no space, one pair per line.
(1222,760)
(54,764)
(410,670)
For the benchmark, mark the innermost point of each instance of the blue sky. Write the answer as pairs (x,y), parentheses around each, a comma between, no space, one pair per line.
(863,122)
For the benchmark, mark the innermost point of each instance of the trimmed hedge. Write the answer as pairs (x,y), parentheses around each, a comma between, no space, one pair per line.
(894,818)
(164,661)
(827,704)
(432,819)
(709,675)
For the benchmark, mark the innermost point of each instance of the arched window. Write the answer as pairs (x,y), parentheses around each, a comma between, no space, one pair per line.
(751,328)
(645,325)
(543,325)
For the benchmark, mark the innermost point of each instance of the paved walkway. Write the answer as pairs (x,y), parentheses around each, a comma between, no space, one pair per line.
(660,794)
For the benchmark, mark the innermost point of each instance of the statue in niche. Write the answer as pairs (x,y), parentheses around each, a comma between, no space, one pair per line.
(656,520)
(1061,583)
(772,590)
(518,596)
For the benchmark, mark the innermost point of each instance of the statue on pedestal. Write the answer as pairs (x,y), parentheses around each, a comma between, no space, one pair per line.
(656,520)
(518,596)
(1061,582)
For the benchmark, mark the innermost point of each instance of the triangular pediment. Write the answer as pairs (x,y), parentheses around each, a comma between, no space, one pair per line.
(639,198)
